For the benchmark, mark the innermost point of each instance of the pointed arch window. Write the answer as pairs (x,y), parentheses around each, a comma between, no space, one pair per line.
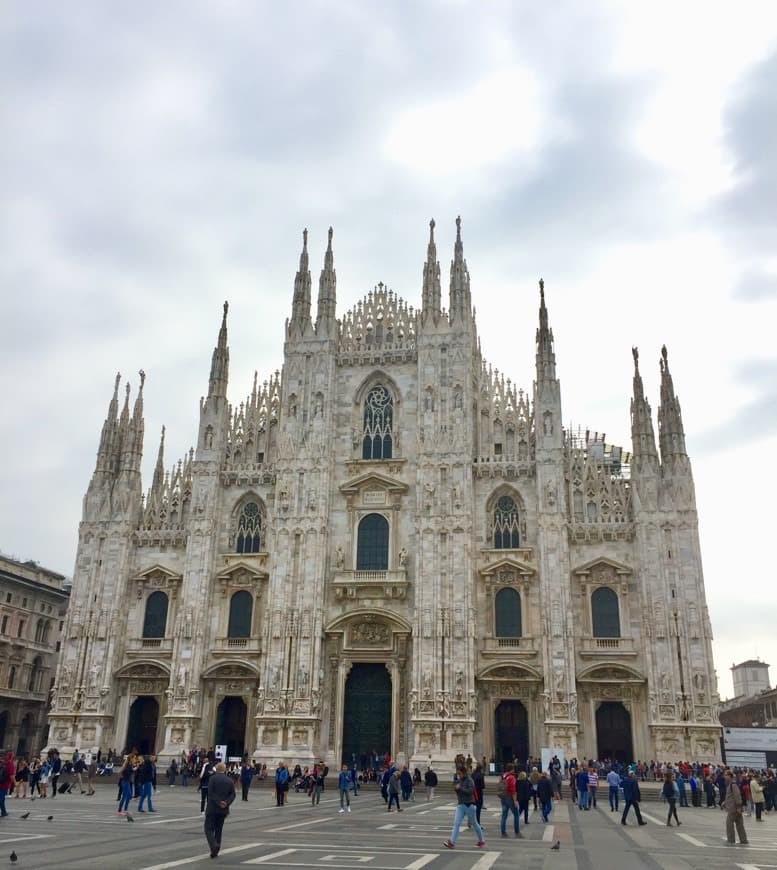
(506,524)
(372,544)
(249,529)
(378,419)
(241,608)
(605,613)
(507,613)
(155,620)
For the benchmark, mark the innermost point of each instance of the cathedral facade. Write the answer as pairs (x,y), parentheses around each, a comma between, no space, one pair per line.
(388,547)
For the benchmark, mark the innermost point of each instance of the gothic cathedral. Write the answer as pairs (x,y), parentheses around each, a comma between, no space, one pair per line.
(388,547)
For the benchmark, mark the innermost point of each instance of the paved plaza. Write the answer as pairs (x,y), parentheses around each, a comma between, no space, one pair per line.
(87,833)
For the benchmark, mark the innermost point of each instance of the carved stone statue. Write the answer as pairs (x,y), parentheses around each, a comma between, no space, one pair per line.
(339,558)
(402,557)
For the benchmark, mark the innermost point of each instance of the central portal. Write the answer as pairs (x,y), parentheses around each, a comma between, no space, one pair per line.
(512,732)
(367,712)
(231,726)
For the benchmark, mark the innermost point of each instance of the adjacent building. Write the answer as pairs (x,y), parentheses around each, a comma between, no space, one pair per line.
(389,546)
(33,604)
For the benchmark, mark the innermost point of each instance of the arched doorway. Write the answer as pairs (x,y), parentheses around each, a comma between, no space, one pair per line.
(231,718)
(613,732)
(25,734)
(511,723)
(143,719)
(367,711)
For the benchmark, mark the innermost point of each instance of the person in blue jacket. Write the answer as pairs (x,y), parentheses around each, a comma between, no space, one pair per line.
(344,787)
(632,797)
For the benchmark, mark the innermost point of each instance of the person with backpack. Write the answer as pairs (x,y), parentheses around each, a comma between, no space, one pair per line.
(207,770)
(480,787)
(465,793)
(56,771)
(506,792)
(430,782)
(281,783)
(394,788)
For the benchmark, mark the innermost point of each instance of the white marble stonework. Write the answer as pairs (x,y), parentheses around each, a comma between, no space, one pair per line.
(488,502)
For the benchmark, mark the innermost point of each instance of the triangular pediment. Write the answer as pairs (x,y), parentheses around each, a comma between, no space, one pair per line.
(508,563)
(603,562)
(243,569)
(158,572)
(372,480)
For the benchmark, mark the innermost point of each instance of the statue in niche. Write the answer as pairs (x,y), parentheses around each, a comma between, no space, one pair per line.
(94,677)
(275,676)
(558,680)
(64,677)
(459,683)
(402,557)
(427,684)
(339,558)
(283,497)
(318,410)
(573,707)
(457,400)
(182,677)
(547,423)
(302,677)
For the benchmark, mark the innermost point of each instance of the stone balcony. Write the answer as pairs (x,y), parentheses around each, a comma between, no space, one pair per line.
(243,646)
(512,647)
(156,646)
(606,647)
(388,585)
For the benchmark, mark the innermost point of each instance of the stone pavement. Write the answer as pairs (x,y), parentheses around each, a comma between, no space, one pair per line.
(87,833)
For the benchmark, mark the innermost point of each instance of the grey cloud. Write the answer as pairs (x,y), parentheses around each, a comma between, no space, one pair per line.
(755,420)
(755,286)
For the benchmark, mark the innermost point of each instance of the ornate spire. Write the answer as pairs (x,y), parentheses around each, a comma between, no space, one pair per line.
(219,367)
(460,303)
(431,294)
(546,358)
(107,448)
(300,310)
(159,471)
(671,434)
(327,294)
(642,437)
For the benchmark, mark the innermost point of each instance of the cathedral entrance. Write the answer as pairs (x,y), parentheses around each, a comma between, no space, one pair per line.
(613,732)
(143,718)
(231,718)
(367,712)
(511,740)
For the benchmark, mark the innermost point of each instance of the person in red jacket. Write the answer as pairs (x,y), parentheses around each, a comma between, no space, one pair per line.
(7,773)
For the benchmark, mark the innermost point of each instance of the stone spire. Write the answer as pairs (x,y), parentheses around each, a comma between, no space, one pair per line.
(431,294)
(460,304)
(327,295)
(546,358)
(671,434)
(133,446)
(219,367)
(159,468)
(107,448)
(643,439)
(300,309)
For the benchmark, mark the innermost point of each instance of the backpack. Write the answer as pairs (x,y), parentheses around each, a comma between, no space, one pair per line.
(501,788)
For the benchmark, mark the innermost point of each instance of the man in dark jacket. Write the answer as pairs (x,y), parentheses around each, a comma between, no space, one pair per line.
(632,797)
(221,793)
(430,781)
(144,776)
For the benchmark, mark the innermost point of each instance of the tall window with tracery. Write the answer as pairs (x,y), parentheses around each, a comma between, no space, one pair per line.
(249,529)
(506,524)
(378,419)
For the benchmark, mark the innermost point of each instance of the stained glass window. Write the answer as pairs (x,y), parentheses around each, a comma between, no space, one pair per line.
(378,420)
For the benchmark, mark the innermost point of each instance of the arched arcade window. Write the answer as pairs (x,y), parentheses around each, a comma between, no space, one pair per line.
(378,419)
(249,529)
(155,620)
(605,613)
(36,674)
(506,524)
(372,544)
(241,607)
(507,607)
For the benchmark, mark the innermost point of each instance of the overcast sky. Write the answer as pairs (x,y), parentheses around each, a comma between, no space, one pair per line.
(160,158)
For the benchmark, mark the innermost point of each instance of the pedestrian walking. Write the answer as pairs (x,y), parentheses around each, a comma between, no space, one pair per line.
(465,789)
(56,771)
(207,771)
(125,785)
(671,793)
(545,794)
(430,782)
(144,776)
(281,783)
(522,795)
(480,788)
(394,788)
(757,794)
(221,793)
(506,792)
(613,784)
(631,797)
(7,777)
(344,785)
(246,775)
(732,803)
